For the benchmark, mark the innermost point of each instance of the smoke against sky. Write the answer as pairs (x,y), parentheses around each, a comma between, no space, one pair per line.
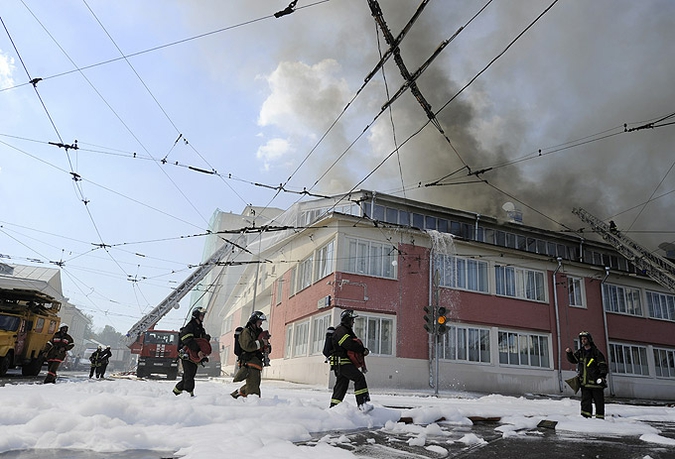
(253,100)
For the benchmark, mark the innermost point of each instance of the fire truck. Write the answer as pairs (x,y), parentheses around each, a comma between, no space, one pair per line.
(158,353)
(28,319)
(158,349)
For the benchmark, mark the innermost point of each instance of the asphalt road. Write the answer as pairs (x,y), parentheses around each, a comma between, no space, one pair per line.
(536,443)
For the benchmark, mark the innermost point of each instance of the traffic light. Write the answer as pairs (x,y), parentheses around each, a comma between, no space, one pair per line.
(429,322)
(441,320)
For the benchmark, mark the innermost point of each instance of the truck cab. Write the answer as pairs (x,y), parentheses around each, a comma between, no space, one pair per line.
(158,353)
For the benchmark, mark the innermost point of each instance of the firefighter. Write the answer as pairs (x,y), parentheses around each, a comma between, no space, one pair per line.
(345,369)
(187,336)
(254,342)
(94,361)
(56,350)
(592,372)
(103,360)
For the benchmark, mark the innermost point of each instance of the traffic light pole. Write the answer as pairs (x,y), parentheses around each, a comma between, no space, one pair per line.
(436,336)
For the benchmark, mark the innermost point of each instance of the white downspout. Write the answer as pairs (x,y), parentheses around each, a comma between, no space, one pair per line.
(610,380)
(557,323)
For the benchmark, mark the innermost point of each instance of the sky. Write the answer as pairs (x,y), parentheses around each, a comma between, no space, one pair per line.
(115,415)
(213,103)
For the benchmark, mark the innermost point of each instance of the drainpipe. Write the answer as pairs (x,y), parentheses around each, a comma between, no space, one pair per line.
(431,335)
(610,380)
(475,237)
(557,323)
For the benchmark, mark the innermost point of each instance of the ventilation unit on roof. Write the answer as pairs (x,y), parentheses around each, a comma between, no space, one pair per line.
(514,214)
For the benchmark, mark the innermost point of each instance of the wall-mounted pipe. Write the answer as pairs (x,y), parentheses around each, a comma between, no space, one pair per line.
(557,323)
(610,380)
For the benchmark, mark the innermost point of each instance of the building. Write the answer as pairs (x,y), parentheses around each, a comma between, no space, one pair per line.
(516,297)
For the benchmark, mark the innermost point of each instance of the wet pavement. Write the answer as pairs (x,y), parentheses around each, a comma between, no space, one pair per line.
(534,443)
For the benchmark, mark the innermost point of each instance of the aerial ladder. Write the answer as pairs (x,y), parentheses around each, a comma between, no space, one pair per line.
(172,301)
(656,267)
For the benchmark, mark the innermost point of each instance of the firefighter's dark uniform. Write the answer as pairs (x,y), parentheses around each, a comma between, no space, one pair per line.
(252,358)
(345,370)
(193,329)
(95,362)
(591,367)
(103,360)
(55,351)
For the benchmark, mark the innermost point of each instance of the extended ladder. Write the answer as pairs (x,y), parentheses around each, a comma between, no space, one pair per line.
(653,265)
(171,301)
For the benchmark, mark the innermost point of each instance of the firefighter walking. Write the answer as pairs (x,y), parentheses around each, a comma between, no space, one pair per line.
(345,360)
(103,360)
(94,361)
(55,352)
(188,337)
(254,342)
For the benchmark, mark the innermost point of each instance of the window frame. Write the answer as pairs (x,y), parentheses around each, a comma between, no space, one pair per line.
(363,328)
(514,282)
(576,292)
(541,342)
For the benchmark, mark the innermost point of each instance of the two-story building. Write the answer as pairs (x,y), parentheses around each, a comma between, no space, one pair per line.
(516,297)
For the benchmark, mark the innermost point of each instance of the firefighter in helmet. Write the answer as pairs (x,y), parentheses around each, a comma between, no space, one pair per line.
(188,336)
(56,350)
(94,361)
(254,342)
(348,351)
(592,373)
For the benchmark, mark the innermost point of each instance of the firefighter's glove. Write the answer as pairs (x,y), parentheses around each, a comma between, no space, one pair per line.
(365,351)
(207,337)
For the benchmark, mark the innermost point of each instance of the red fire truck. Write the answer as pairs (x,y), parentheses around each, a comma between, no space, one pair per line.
(158,353)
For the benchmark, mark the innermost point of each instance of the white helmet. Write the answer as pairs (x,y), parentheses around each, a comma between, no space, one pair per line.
(63,326)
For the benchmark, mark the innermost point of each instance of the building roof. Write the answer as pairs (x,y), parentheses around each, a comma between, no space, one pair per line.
(43,280)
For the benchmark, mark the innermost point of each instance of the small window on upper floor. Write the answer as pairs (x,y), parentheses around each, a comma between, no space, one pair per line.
(575,291)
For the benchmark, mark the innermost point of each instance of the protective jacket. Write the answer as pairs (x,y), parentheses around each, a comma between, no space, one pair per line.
(57,347)
(251,346)
(193,329)
(344,340)
(104,356)
(591,366)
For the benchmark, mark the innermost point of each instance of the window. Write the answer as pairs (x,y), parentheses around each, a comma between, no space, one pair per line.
(9,323)
(624,300)
(39,325)
(466,344)
(661,306)
(462,273)
(288,351)
(227,324)
(371,258)
(520,283)
(292,286)
(305,273)
(300,338)
(376,333)
(318,337)
(280,285)
(626,359)
(324,260)
(664,362)
(575,291)
(523,349)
